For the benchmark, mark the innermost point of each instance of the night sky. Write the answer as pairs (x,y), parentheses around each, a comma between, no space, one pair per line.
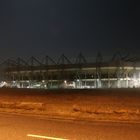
(53,27)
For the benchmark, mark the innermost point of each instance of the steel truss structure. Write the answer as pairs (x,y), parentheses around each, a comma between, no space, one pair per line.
(119,72)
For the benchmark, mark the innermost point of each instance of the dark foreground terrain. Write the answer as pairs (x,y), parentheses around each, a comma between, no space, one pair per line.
(95,104)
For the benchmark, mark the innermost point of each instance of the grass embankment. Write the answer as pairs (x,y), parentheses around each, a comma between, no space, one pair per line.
(96,104)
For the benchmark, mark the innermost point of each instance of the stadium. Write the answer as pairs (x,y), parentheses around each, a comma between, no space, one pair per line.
(121,71)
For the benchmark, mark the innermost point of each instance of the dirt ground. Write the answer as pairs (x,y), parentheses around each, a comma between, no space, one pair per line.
(94,104)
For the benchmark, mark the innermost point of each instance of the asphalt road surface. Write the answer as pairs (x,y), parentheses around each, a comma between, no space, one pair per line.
(16,127)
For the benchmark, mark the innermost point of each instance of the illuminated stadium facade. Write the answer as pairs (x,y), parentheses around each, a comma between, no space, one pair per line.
(119,72)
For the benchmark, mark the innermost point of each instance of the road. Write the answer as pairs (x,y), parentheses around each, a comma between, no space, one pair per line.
(16,127)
